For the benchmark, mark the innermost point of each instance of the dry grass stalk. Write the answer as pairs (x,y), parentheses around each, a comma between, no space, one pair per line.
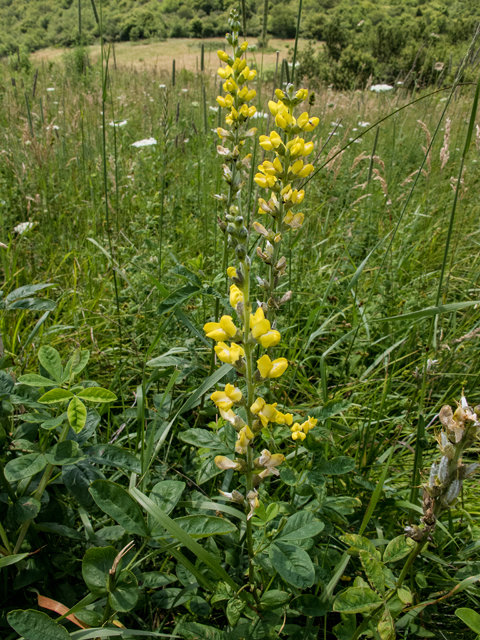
(444,151)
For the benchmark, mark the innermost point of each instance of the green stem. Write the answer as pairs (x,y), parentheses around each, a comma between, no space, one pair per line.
(5,540)
(410,560)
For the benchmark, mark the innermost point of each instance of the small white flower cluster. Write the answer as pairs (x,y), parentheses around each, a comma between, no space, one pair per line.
(381,88)
(147,142)
(22,227)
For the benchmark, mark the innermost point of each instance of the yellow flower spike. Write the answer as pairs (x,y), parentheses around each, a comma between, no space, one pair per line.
(286,189)
(273,106)
(244,46)
(306,171)
(227,354)
(243,92)
(270,462)
(256,318)
(252,75)
(231,272)
(278,165)
(301,94)
(227,398)
(269,369)
(242,442)
(225,463)
(294,221)
(268,168)
(224,57)
(266,143)
(297,166)
(222,330)
(236,295)
(308,148)
(311,124)
(242,64)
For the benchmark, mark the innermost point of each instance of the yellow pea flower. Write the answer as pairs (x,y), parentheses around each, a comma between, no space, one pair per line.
(227,354)
(268,168)
(222,330)
(297,166)
(302,119)
(280,121)
(236,295)
(231,272)
(273,106)
(269,339)
(265,181)
(306,171)
(241,64)
(309,424)
(308,148)
(244,46)
(276,139)
(294,221)
(225,102)
(224,57)
(311,124)
(251,111)
(301,94)
(225,72)
(265,412)
(266,143)
(270,462)
(225,463)
(227,398)
(245,436)
(280,94)
(269,369)
(252,497)
(250,95)
(284,418)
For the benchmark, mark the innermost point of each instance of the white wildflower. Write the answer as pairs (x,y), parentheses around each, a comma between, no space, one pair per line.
(147,142)
(380,88)
(22,227)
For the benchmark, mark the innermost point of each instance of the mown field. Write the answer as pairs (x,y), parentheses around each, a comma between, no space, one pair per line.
(380,332)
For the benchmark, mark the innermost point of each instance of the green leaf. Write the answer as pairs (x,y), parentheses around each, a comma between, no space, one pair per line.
(310,605)
(25,508)
(6,384)
(156,579)
(36,625)
(374,571)
(235,609)
(110,632)
(77,479)
(50,360)
(205,386)
(356,600)
(335,466)
(26,466)
(386,627)
(119,505)
(330,409)
(359,542)
(55,395)
(202,438)
(166,495)
(97,394)
(300,526)
(405,595)
(54,422)
(470,617)
(35,380)
(79,364)
(125,595)
(428,312)
(8,560)
(200,526)
(274,599)
(96,565)
(67,452)
(77,414)
(197,631)
(288,476)
(293,564)
(60,530)
(398,548)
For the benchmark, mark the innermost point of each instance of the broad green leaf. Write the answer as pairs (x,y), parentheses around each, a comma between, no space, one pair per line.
(67,452)
(300,526)
(335,466)
(235,609)
(166,495)
(77,478)
(96,565)
(330,409)
(386,627)
(25,508)
(310,605)
(79,364)
(470,617)
(54,422)
(110,632)
(114,456)
(200,526)
(77,414)
(293,564)
(60,530)
(197,631)
(125,596)
(35,380)
(8,560)
(97,394)
(25,466)
(356,600)
(274,598)
(208,469)
(119,505)
(36,625)
(373,569)
(26,290)
(360,542)
(6,384)
(398,548)
(405,595)
(55,395)
(156,579)
(50,360)
(202,438)
(346,629)
(288,476)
